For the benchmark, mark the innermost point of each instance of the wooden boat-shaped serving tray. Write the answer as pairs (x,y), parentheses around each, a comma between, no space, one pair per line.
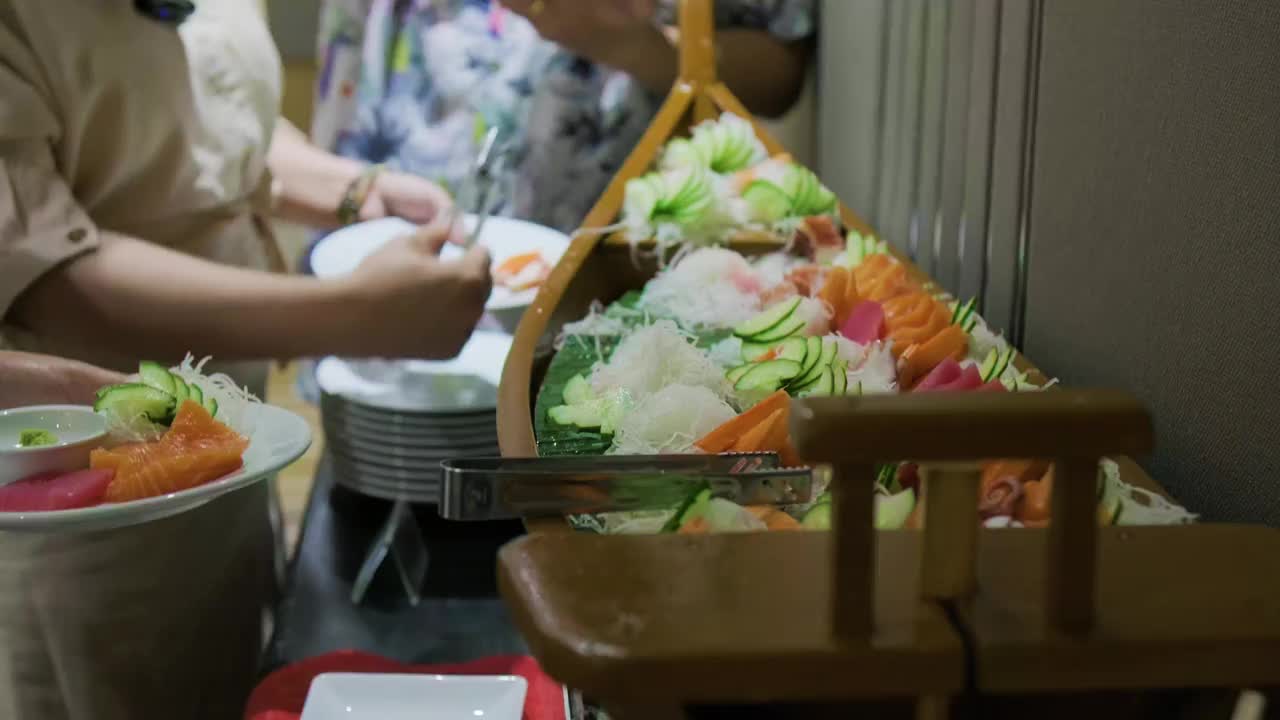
(649,625)
(602,267)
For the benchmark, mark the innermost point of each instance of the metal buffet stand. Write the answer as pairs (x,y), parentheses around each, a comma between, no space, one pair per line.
(458,615)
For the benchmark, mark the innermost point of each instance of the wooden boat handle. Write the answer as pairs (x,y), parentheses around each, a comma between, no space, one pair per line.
(1075,428)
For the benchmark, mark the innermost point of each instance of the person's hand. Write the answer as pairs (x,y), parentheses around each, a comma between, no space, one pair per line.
(27,379)
(416,199)
(413,304)
(591,29)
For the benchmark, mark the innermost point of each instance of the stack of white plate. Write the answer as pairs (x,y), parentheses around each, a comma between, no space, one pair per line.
(388,425)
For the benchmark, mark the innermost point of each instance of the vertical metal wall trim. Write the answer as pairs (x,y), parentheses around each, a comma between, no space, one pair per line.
(1017,327)
(851,91)
(922,122)
(930,133)
(948,229)
(980,144)
(1009,147)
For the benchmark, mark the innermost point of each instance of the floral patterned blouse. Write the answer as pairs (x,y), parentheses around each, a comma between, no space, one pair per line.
(413,84)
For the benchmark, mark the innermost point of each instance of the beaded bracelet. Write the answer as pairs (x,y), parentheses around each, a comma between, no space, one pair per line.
(357,192)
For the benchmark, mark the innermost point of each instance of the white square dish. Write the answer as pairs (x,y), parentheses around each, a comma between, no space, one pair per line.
(366,696)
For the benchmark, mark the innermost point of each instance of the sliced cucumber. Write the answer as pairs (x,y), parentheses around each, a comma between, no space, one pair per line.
(886,474)
(1006,359)
(829,350)
(767,202)
(840,374)
(962,312)
(794,349)
(736,373)
(768,376)
(812,355)
(133,400)
(988,367)
(892,511)
(578,391)
(768,319)
(180,391)
(195,394)
(825,384)
(783,330)
(751,352)
(995,363)
(818,517)
(694,506)
(583,416)
(157,376)
(211,404)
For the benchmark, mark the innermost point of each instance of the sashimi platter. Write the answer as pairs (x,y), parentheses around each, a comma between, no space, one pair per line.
(705,357)
(170,439)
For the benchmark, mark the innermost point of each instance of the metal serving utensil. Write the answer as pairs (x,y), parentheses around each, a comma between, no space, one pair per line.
(476,192)
(504,488)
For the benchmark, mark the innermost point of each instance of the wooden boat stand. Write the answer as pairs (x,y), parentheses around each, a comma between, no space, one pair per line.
(651,624)
(953,620)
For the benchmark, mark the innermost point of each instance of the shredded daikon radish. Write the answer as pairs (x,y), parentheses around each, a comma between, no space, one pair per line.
(1139,506)
(772,269)
(670,421)
(596,323)
(238,409)
(850,352)
(655,357)
(817,316)
(727,353)
(640,522)
(982,340)
(709,288)
(877,371)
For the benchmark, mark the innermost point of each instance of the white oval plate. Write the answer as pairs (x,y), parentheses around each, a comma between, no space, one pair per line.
(279,437)
(340,252)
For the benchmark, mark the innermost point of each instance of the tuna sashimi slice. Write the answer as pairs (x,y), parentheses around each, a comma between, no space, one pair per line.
(970,379)
(943,374)
(865,323)
(48,492)
(994,386)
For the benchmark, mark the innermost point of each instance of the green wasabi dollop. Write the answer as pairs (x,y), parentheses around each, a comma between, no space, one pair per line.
(36,438)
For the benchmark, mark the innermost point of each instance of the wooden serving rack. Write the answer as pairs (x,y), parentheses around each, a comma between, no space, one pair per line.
(945,620)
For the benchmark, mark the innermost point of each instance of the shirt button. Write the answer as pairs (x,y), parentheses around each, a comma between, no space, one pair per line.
(76,235)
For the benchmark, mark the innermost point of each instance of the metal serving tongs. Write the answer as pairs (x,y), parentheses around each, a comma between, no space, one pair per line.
(476,193)
(505,488)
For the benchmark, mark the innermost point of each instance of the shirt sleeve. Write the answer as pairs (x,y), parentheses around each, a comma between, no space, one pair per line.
(41,223)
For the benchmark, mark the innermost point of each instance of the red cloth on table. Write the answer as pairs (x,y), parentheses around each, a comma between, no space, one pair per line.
(281,695)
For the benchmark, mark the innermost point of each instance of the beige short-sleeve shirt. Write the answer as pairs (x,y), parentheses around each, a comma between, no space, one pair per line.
(113,122)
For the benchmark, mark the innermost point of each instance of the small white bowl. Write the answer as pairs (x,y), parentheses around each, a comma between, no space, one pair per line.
(78,429)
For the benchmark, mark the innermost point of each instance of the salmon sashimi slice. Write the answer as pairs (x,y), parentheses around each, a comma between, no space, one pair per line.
(892,283)
(723,437)
(905,337)
(917,360)
(521,272)
(834,293)
(773,518)
(196,449)
(871,268)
